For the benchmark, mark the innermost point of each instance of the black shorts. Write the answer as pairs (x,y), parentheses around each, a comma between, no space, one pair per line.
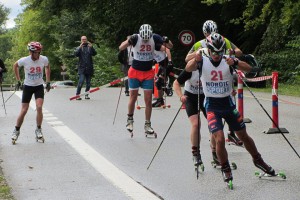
(28,91)
(191,105)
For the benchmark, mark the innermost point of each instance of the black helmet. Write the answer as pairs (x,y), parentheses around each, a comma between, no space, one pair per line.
(215,42)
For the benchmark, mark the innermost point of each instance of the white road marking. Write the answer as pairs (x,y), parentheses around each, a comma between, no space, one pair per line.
(118,178)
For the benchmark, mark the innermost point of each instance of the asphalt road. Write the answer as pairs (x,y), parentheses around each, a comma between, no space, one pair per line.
(85,156)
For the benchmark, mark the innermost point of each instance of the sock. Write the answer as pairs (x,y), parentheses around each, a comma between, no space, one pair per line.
(17,128)
(195,150)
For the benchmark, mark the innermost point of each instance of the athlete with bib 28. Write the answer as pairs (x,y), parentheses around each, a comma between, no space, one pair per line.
(141,73)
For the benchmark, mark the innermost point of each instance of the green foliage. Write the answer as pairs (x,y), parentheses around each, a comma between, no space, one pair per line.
(267,28)
(4,12)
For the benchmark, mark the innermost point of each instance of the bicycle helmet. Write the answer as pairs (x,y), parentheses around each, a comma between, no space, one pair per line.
(209,27)
(34,46)
(145,31)
(215,42)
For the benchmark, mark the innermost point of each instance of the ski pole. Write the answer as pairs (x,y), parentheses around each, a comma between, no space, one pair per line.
(3,99)
(266,112)
(165,135)
(9,97)
(118,102)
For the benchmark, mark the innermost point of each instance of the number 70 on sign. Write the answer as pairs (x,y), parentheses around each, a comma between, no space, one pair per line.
(186,37)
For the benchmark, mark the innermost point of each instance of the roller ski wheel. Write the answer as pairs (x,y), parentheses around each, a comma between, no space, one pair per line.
(198,164)
(227,176)
(280,175)
(229,185)
(233,165)
(15,136)
(40,139)
(13,141)
(166,106)
(199,168)
(131,133)
(151,135)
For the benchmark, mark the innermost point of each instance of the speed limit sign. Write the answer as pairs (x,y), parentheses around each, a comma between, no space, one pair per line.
(186,37)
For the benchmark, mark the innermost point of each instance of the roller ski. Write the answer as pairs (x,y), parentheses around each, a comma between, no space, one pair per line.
(15,136)
(216,164)
(198,164)
(232,139)
(39,135)
(227,175)
(149,132)
(280,175)
(129,126)
(268,171)
(158,103)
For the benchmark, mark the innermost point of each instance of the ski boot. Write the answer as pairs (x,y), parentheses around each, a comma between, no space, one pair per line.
(215,163)
(149,130)
(231,137)
(87,97)
(14,136)
(198,163)
(169,91)
(260,163)
(39,135)
(227,175)
(158,103)
(129,125)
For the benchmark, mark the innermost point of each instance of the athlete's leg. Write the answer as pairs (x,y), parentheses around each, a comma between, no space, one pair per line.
(194,131)
(26,98)
(39,111)
(248,142)
(22,114)
(220,146)
(132,99)
(147,85)
(148,104)
(39,100)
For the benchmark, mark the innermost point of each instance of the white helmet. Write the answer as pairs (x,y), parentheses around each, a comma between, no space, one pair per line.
(146,31)
(209,27)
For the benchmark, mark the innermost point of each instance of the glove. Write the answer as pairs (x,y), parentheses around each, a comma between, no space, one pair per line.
(48,87)
(165,39)
(18,85)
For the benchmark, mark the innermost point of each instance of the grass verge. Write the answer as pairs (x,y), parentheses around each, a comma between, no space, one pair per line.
(283,89)
(5,192)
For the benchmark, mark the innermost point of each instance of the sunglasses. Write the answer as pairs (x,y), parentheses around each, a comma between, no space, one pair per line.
(217,53)
(36,52)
